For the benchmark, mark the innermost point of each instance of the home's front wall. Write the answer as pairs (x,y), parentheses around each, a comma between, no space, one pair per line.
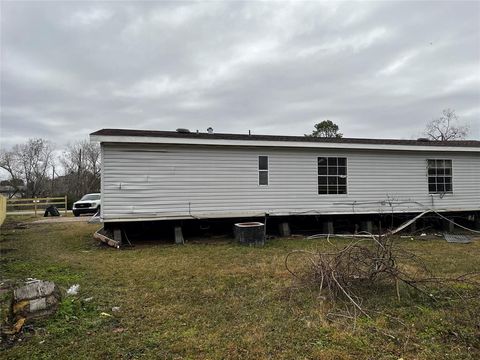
(141,182)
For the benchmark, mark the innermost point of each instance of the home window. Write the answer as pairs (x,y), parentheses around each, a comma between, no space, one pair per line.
(263,170)
(439,176)
(332,175)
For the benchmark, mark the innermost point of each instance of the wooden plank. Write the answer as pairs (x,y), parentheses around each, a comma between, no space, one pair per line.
(31,199)
(37,204)
(3,209)
(106,239)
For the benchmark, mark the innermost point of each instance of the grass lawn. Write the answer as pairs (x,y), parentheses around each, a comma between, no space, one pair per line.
(218,300)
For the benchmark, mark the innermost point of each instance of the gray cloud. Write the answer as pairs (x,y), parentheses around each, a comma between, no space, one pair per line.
(378,69)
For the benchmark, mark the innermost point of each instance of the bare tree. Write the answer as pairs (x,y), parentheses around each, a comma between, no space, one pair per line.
(446,127)
(8,162)
(81,163)
(29,163)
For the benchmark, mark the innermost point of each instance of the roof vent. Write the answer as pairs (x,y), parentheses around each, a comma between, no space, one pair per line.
(423,139)
(183,131)
(210,130)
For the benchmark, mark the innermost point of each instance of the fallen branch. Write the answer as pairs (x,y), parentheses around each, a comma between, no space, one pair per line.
(372,260)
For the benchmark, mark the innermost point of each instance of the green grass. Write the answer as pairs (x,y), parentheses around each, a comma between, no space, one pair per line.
(221,300)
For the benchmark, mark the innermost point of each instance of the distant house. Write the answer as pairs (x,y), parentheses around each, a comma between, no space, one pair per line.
(159,175)
(11,192)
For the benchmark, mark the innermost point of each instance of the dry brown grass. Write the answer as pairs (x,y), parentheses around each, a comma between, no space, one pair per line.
(222,300)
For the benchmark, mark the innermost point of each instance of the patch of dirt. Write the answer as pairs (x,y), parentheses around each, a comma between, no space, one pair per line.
(14,225)
(6,251)
(55,220)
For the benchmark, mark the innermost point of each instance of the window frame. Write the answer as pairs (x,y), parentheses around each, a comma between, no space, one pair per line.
(337,175)
(259,171)
(437,175)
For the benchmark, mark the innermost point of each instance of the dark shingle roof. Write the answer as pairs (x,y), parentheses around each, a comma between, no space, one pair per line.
(222,136)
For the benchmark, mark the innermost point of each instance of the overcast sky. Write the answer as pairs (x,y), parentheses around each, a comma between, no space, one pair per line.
(377,69)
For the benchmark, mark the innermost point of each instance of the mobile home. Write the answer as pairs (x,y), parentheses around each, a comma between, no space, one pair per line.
(161,175)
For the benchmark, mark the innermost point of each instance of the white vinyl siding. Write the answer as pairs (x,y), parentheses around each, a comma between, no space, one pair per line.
(185,181)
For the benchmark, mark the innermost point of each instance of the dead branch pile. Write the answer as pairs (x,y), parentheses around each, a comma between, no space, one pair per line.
(372,260)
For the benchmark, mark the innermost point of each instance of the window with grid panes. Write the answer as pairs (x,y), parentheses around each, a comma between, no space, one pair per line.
(263,170)
(439,176)
(332,175)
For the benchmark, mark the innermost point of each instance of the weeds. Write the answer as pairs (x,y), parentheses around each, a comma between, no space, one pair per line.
(227,301)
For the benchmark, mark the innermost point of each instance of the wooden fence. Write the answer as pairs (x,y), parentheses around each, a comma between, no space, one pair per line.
(36,204)
(3,209)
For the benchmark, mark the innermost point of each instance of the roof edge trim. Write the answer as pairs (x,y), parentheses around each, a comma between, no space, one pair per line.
(264,143)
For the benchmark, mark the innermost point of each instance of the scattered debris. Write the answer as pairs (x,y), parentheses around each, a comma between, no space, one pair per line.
(52,211)
(297,236)
(73,290)
(88,299)
(342,273)
(16,327)
(105,314)
(118,330)
(102,235)
(115,308)
(31,280)
(409,222)
(357,235)
(460,239)
(35,299)
(95,219)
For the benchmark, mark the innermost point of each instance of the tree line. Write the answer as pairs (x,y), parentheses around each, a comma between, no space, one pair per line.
(447,127)
(35,171)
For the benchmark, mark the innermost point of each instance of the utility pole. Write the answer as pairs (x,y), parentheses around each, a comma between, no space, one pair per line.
(53,179)
(79,180)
